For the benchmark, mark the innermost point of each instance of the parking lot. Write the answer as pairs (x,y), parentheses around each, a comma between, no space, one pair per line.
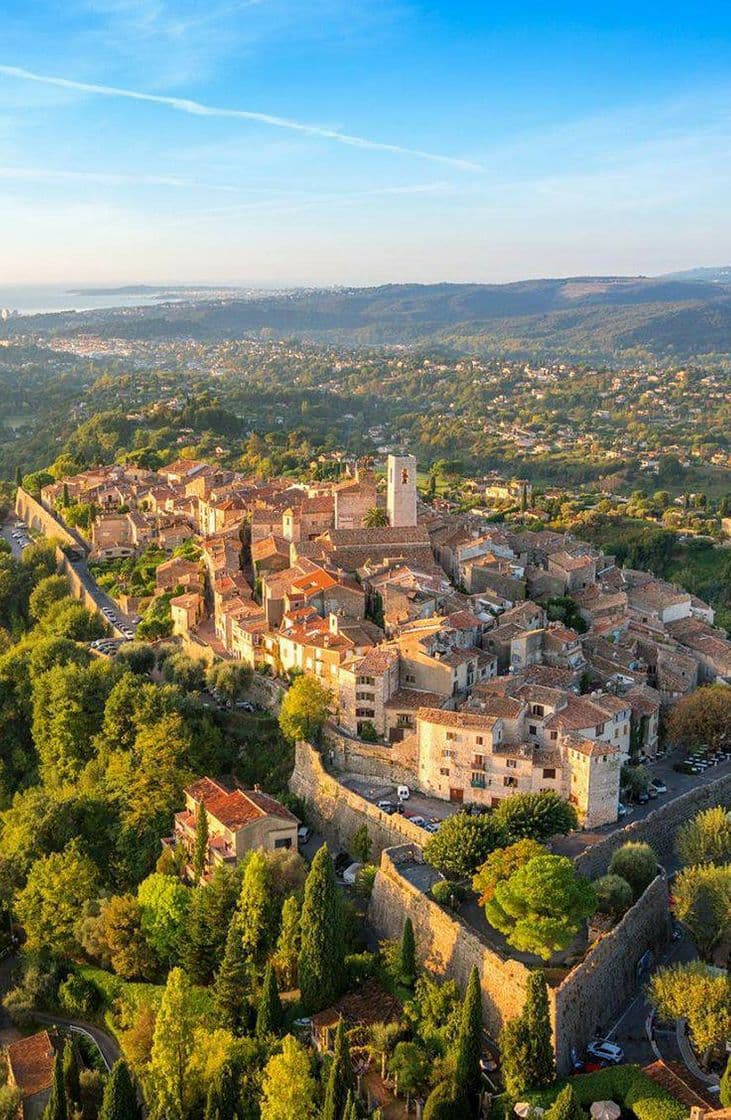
(417,805)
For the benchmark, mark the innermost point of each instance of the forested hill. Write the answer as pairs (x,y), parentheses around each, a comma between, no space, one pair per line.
(610,319)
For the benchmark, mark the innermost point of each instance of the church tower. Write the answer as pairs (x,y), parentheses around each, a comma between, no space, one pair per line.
(401,499)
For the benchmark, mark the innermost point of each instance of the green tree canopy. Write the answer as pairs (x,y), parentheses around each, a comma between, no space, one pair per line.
(50,905)
(706,838)
(702,902)
(463,843)
(699,994)
(288,1087)
(541,906)
(635,862)
(304,709)
(536,816)
(501,864)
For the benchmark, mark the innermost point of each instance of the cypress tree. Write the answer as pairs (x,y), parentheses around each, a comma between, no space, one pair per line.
(232,981)
(725,1087)
(541,1064)
(18,476)
(407,955)
(120,1095)
(71,1075)
(269,1014)
(467,1076)
(57,1106)
(340,1079)
(514,1053)
(321,963)
(566,1106)
(200,843)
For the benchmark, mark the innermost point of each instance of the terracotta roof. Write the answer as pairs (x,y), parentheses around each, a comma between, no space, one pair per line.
(591,747)
(363,1007)
(502,707)
(236,808)
(677,1081)
(30,1061)
(444,718)
(411,699)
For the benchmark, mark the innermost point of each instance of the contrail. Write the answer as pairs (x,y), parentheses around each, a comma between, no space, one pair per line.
(197,109)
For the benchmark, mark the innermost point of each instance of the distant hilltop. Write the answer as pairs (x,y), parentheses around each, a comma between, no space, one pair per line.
(612,320)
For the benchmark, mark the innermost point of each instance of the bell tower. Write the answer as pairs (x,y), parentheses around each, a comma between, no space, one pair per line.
(401,495)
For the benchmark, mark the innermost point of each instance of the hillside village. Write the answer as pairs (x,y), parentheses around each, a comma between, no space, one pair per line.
(498,659)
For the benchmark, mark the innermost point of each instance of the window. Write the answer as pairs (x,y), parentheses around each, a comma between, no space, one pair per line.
(451,736)
(554,736)
(478,780)
(510,782)
(479,740)
(536,709)
(448,754)
(511,764)
(283,842)
(549,772)
(478,761)
(532,729)
(444,771)
(404,477)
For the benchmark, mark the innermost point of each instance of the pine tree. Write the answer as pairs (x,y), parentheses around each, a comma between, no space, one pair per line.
(340,1078)
(257,909)
(322,954)
(209,916)
(407,955)
(269,1014)
(71,1075)
(120,1095)
(541,1064)
(57,1106)
(200,843)
(566,1106)
(232,981)
(467,1075)
(288,944)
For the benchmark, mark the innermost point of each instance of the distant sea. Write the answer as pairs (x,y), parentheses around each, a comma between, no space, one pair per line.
(34,300)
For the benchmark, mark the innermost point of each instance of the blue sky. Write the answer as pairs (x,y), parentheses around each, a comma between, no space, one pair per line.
(284,142)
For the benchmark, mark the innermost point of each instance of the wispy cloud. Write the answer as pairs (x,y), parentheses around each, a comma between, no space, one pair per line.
(122,179)
(198,109)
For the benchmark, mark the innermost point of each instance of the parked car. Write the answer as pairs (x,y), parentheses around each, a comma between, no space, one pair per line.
(403,793)
(621,809)
(417,820)
(386,807)
(658,785)
(642,798)
(303,834)
(245,705)
(605,1051)
(687,768)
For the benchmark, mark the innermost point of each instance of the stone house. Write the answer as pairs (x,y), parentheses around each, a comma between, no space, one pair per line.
(30,1071)
(239,821)
(186,611)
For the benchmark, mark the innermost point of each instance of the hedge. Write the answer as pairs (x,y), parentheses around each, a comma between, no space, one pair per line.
(625,1084)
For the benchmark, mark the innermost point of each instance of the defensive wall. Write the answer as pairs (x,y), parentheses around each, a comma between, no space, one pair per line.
(586,1001)
(43,520)
(337,812)
(658,828)
(394,765)
(587,998)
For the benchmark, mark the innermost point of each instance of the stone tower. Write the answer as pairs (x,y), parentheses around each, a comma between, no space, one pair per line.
(401,501)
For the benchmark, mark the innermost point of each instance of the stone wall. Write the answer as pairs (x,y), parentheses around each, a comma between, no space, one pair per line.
(43,520)
(78,589)
(588,999)
(595,991)
(445,943)
(657,828)
(394,765)
(337,812)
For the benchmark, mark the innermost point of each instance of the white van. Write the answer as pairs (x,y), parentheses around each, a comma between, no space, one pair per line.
(403,793)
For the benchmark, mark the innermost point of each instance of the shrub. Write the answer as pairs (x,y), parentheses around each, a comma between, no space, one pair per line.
(78,996)
(447,893)
(364,880)
(637,863)
(443,1104)
(614,895)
